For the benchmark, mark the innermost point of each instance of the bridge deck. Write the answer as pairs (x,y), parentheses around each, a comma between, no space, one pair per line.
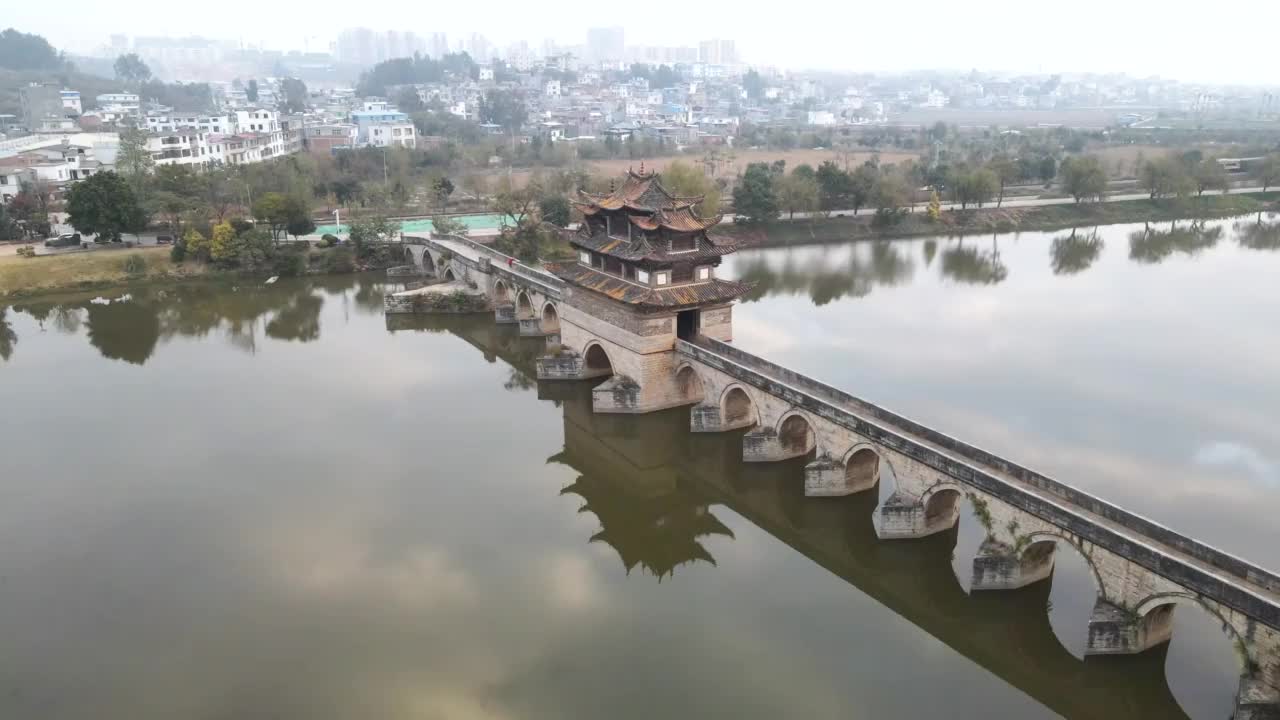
(1233,581)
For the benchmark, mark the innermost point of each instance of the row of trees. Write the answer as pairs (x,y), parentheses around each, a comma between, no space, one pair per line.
(766,190)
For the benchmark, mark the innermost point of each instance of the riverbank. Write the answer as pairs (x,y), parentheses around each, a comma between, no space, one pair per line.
(22,277)
(999,220)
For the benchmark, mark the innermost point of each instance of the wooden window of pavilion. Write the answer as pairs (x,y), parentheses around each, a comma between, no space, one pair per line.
(681,272)
(683,242)
(612,265)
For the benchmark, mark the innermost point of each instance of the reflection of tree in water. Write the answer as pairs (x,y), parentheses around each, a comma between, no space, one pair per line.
(972,266)
(657,533)
(127,330)
(8,338)
(519,380)
(1075,253)
(1258,235)
(369,296)
(299,320)
(930,250)
(887,266)
(1151,246)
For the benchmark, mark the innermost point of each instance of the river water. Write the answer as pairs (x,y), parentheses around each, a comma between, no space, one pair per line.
(242,502)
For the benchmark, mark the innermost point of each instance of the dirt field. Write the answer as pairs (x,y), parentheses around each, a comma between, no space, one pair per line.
(1121,161)
(1074,118)
(740,160)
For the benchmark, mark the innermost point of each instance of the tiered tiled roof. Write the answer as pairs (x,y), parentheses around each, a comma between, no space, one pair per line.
(673,297)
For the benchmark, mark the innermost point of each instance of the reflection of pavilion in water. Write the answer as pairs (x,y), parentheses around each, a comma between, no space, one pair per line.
(653,487)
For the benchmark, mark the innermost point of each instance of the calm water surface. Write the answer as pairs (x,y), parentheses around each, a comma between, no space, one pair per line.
(270,502)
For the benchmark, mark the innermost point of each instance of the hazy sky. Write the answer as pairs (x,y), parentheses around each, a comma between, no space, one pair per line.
(1233,42)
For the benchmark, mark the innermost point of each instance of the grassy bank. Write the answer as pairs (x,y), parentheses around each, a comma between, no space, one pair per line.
(24,277)
(993,220)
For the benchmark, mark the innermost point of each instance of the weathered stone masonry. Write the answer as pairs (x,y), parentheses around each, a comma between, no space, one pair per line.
(1141,569)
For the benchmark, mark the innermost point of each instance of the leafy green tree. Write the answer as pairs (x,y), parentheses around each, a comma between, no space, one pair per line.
(554,209)
(251,92)
(133,160)
(24,51)
(1165,177)
(1083,178)
(444,225)
(442,188)
(104,204)
(131,70)
(196,246)
(279,211)
(798,192)
(221,242)
(753,85)
(505,108)
(300,225)
(1209,174)
(687,180)
(1006,171)
(295,95)
(1266,172)
(369,231)
(754,197)
(890,193)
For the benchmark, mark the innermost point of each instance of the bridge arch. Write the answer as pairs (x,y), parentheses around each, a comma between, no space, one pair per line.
(796,433)
(862,467)
(689,384)
(524,305)
(550,318)
(449,276)
(737,407)
(429,264)
(409,255)
(1043,537)
(501,294)
(597,359)
(942,504)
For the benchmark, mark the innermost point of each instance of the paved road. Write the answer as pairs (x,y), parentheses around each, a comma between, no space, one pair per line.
(1016,202)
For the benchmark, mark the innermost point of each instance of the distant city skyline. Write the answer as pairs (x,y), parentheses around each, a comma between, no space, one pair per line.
(1091,36)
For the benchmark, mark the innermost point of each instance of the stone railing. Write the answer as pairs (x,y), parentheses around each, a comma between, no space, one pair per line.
(974,467)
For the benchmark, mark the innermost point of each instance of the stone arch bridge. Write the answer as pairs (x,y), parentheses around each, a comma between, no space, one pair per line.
(1141,569)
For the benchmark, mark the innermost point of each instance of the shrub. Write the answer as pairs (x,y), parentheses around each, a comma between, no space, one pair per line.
(240,225)
(26,251)
(135,265)
(339,260)
(328,240)
(290,263)
(178,253)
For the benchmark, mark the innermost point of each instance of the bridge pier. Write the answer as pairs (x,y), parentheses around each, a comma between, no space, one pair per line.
(825,477)
(531,327)
(1256,699)
(1000,567)
(906,518)
(505,314)
(1114,630)
(765,445)
(707,418)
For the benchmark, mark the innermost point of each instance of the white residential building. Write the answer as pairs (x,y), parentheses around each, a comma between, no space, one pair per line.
(71,102)
(392,134)
(187,146)
(552,88)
